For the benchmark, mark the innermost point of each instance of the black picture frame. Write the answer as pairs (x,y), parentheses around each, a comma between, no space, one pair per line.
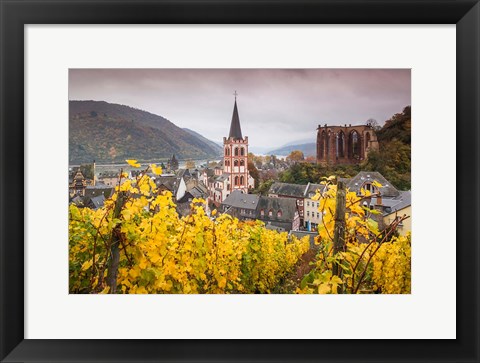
(16,13)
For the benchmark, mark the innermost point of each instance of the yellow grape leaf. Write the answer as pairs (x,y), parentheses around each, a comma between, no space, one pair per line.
(377,184)
(145,188)
(141,290)
(336,280)
(323,289)
(87,264)
(156,169)
(133,163)
(214,212)
(105,290)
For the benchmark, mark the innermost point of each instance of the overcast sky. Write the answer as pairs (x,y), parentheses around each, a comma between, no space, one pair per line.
(276,106)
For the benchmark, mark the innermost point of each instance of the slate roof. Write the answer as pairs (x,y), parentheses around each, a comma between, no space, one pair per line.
(387,189)
(223,177)
(311,189)
(182,173)
(109,174)
(402,201)
(197,192)
(183,208)
(202,187)
(288,206)
(235,129)
(287,189)
(169,182)
(96,202)
(97,190)
(237,199)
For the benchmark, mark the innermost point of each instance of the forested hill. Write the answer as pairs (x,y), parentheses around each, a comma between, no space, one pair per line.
(213,144)
(393,159)
(398,127)
(108,132)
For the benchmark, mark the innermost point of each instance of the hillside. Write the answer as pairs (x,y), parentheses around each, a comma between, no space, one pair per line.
(213,144)
(398,127)
(108,132)
(308,149)
(393,159)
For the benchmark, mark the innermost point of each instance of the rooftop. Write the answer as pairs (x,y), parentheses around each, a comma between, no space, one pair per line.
(287,189)
(237,199)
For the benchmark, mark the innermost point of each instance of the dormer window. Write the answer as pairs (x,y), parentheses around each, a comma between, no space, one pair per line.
(270,213)
(279,214)
(262,212)
(370,187)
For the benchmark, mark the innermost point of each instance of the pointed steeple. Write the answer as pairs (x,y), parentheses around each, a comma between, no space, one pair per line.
(235,130)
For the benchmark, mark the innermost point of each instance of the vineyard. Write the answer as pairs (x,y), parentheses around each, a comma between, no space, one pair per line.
(137,243)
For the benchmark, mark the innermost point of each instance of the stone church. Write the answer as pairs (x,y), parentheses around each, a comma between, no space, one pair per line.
(345,144)
(233,174)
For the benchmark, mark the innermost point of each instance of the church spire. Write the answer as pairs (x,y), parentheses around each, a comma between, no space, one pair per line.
(235,130)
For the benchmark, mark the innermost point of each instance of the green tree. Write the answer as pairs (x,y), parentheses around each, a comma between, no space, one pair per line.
(253,172)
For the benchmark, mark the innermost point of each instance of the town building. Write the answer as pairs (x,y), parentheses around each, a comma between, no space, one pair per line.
(240,205)
(312,214)
(110,178)
(345,144)
(288,190)
(280,214)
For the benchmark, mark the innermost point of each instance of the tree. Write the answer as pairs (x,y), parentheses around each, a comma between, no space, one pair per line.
(373,124)
(253,173)
(264,186)
(393,161)
(397,127)
(87,170)
(190,164)
(295,156)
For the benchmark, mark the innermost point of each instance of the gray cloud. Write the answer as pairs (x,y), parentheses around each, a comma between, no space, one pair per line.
(276,106)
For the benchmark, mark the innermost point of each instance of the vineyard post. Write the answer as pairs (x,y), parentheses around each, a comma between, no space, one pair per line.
(339,228)
(114,248)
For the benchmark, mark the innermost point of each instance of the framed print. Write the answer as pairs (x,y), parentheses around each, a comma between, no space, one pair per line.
(423,54)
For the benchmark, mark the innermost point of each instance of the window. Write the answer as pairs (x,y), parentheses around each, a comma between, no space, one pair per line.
(262,212)
(236,180)
(270,213)
(308,203)
(241,180)
(279,214)
(318,204)
(318,215)
(236,151)
(235,162)
(308,213)
(242,162)
(242,151)
(227,151)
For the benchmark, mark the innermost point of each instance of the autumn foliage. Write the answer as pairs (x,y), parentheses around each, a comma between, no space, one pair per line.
(160,252)
(137,243)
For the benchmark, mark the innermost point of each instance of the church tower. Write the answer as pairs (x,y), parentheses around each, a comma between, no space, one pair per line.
(235,155)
